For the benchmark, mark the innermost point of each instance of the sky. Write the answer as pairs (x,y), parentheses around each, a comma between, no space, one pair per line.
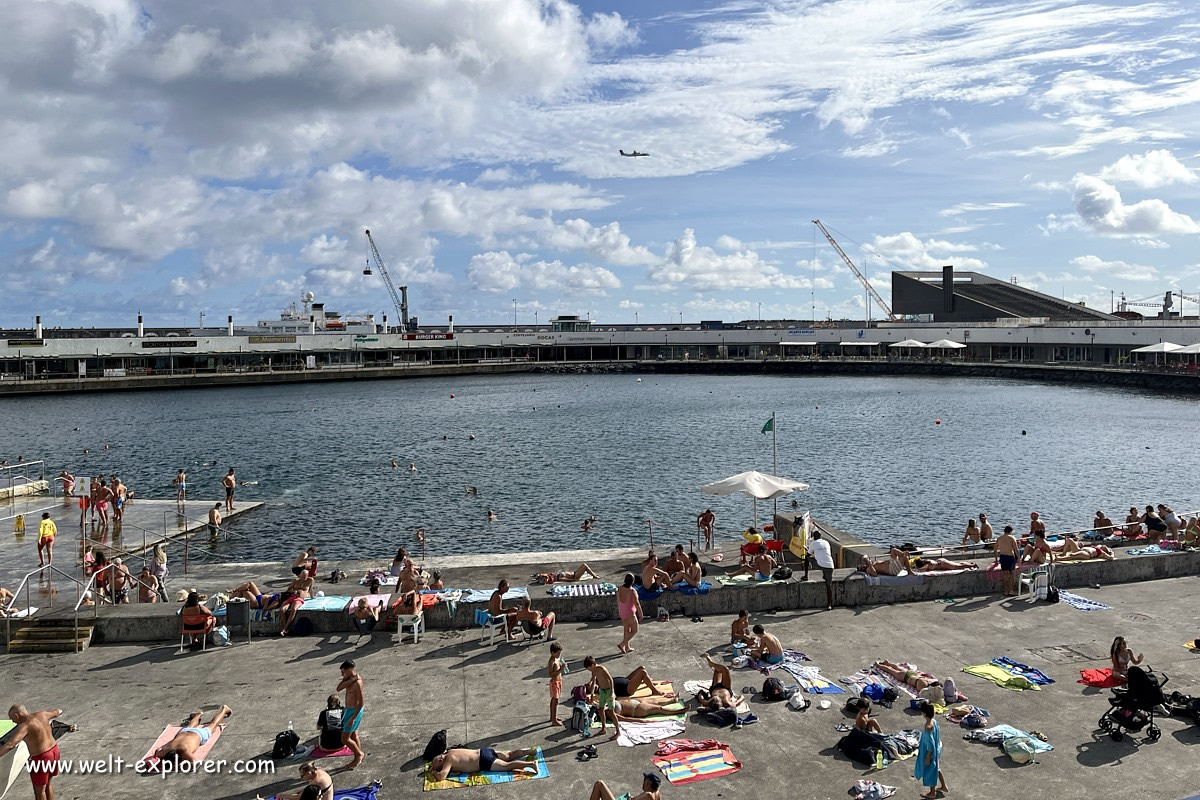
(176,158)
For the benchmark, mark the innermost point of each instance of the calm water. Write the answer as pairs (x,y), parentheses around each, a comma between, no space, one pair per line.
(551,450)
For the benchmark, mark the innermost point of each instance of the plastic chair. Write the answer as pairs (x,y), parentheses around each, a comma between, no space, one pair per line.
(1036,580)
(415,621)
(195,625)
(488,625)
(750,549)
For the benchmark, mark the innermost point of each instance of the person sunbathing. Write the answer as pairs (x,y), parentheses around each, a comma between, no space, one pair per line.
(251,593)
(693,575)
(485,759)
(1087,553)
(912,677)
(640,708)
(191,737)
(720,691)
(895,564)
(941,565)
(318,785)
(630,684)
(580,573)
(5,598)
(762,567)
(292,598)
(534,621)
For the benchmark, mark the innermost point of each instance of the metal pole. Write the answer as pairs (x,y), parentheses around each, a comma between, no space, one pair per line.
(649,522)
(774,459)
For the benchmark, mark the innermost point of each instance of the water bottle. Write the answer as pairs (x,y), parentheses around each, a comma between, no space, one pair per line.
(289,727)
(879,759)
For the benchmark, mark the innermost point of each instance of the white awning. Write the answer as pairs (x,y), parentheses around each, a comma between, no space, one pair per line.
(799,344)
(1160,347)
(859,344)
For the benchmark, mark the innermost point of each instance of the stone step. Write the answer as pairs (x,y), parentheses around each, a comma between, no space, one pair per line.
(34,639)
(52,633)
(67,621)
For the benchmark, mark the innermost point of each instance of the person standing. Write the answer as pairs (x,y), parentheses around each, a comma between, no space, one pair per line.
(147,586)
(352,684)
(180,487)
(555,669)
(120,490)
(705,523)
(34,729)
(818,549)
(68,483)
(230,483)
(629,609)
(158,568)
(103,496)
(928,769)
(47,530)
(1036,525)
(214,522)
(1006,557)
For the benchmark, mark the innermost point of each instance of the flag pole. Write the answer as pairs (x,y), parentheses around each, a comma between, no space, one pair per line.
(774,460)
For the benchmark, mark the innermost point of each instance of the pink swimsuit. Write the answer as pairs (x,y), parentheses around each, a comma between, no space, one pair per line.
(627,609)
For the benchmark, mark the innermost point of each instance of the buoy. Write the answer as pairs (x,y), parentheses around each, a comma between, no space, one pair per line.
(937,422)
(451,397)
(1022,433)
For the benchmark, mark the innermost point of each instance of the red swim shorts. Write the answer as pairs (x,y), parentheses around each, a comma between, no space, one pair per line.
(47,769)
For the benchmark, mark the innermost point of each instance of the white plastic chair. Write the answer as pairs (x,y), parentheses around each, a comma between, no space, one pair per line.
(1036,581)
(414,621)
(489,625)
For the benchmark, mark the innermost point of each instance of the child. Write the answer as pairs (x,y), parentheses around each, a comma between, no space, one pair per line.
(741,627)
(602,684)
(556,668)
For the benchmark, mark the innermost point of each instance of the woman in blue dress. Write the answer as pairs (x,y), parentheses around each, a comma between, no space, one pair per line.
(929,755)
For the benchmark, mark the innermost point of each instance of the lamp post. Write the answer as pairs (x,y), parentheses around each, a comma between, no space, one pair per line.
(514,312)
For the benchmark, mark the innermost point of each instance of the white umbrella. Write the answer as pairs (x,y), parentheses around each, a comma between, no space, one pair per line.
(1190,350)
(945,344)
(908,343)
(758,485)
(1160,347)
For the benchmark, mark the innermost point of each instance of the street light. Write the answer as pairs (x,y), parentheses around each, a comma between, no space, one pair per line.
(514,312)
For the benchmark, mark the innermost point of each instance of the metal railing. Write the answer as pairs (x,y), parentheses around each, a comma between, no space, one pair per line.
(81,591)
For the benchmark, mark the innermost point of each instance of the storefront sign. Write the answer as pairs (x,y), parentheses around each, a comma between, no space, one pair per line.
(26,343)
(419,337)
(271,339)
(169,343)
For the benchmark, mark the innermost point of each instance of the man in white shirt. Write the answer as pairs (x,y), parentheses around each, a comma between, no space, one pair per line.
(818,549)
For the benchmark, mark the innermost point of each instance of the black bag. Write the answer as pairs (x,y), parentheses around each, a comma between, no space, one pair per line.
(436,746)
(782,573)
(285,744)
(335,576)
(723,718)
(1051,594)
(773,689)
(890,696)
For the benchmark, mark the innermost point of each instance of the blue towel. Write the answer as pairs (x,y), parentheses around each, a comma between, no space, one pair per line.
(1017,668)
(1081,603)
(703,588)
(1149,550)
(361,793)
(647,596)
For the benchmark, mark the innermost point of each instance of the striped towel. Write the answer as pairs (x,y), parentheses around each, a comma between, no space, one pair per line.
(1082,603)
(582,589)
(699,765)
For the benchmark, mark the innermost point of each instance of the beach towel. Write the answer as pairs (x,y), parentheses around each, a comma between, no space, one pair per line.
(870,790)
(998,733)
(683,588)
(647,596)
(1148,550)
(1099,678)
(790,656)
(361,793)
(24,612)
(1001,677)
(460,780)
(1017,668)
(384,580)
(904,579)
(1081,603)
(484,595)
(373,601)
(327,603)
(150,762)
(649,730)
(263,615)
(744,580)
(582,589)
(694,687)
(304,753)
(691,766)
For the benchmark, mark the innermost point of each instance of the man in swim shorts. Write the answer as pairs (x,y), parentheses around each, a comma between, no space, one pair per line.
(230,484)
(720,691)
(602,685)
(191,737)
(214,522)
(769,648)
(102,497)
(355,703)
(705,523)
(120,493)
(1006,557)
(47,530)
(650,784)
(545,622)
(485,759)
(34,729)
(762,567)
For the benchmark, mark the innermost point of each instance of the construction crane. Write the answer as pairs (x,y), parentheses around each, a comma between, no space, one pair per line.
(400,301)
(861,278)
(1166,304)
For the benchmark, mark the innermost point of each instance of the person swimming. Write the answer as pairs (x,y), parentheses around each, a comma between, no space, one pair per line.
(491,516)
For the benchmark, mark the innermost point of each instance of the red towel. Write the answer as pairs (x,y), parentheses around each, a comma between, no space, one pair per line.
(1099,678)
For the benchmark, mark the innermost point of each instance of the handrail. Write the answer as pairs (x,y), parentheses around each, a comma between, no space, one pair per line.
(24,584)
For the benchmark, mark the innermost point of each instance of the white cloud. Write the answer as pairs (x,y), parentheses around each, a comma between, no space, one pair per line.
(1099,207)
(632,305)
(703,268)
(1115,269)
(606,243)
(1150,170)
(325,249)
(727,242)
(502,272)
(911,252)
(963,208)
(880,147)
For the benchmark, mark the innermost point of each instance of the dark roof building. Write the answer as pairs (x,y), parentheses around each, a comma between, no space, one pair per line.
(973,297)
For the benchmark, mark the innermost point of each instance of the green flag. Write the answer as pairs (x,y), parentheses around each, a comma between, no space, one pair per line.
(770,426)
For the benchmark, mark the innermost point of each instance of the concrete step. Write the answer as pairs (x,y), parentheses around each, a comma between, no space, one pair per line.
(58,622)
(52,633)
(34,639)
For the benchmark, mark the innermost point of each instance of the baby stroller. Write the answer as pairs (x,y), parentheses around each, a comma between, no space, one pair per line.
(1133,707)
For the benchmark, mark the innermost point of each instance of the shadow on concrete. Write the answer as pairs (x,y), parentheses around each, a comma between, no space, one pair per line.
(1013,604)
(155,655)
(1103,751)
(323,648)
(973,605)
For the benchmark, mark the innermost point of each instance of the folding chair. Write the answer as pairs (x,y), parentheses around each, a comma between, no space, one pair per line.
(531,632)
(488,625)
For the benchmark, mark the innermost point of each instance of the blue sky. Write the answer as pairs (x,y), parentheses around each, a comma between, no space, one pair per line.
(172,158)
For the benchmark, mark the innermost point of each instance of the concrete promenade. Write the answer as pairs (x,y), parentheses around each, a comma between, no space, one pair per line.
(123,696)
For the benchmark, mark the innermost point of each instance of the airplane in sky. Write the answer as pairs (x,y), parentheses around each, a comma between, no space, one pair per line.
(634,154)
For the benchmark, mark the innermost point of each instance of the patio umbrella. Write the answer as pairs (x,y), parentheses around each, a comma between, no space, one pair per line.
(908,343)
(758,485)
(1157,348)
(946,344)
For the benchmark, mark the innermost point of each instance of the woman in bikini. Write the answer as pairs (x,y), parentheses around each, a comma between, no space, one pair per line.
(250,592)
(1133,523)
(895,564)
(640,707)
(1073,552)
(941,565)
(582,572)
(692,576)
(911,677)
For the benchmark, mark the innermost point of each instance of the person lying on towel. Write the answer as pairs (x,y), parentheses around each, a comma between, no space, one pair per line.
(191,737)
(485,759)
(318,785)
(941,565)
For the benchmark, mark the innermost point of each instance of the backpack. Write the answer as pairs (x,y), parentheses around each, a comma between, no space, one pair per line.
(285,744)
(950,691)
(773,689)
(890,696)
(335,576)
(582,717)
(1019,748)
(722,718)
(1052,594)
(782,574)
(220,636)
(436,746)
(579,693)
